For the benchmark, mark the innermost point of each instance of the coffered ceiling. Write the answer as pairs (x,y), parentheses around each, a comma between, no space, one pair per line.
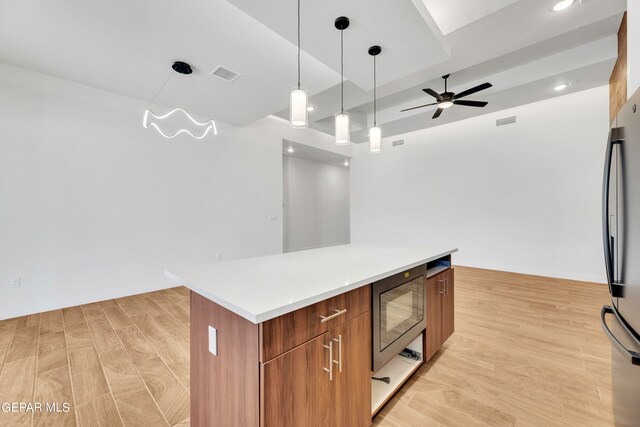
(127,46)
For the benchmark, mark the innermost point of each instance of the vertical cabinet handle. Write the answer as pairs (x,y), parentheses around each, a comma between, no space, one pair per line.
(446,286)
(330,368)
(339,361)
(441,288)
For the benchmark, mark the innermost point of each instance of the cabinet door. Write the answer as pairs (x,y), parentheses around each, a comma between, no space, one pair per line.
(296,388)
(352,372)
(448,305)
(433,296)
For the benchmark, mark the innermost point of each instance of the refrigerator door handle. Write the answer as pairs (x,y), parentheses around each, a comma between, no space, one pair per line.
(632,356)
(615,289)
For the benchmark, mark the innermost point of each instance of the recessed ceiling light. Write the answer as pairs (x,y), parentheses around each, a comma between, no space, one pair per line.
(346,162)
(561,87)
(290,149)
(310,108)
(562,5)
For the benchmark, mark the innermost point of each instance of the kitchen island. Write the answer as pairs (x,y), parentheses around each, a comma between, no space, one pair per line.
(286,339)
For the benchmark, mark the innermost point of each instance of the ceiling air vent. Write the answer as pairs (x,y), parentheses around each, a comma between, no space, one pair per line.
(398,142)
(225,74)
(506,121)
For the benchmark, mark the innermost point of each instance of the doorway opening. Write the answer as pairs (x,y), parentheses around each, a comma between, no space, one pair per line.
(316,197)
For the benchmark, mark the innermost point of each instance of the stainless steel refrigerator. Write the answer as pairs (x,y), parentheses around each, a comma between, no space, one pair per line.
(621,232)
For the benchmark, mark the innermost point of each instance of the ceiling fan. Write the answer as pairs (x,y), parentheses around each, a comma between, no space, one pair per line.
(448,99)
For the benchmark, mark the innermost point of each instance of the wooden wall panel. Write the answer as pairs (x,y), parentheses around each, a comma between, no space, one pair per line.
(618,81)
(224,388)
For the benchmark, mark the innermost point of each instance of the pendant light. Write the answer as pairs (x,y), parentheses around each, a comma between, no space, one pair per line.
(299,99)
(342,126)
(150,119)
(375,133)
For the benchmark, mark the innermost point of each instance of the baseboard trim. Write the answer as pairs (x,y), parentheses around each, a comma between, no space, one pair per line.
(74,300)
(536,272)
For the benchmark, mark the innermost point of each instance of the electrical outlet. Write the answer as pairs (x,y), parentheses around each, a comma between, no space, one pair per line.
(549,255)
(15,282)
(213,340)
(219,255)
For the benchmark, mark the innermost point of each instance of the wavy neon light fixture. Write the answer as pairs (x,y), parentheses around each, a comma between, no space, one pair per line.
(150,119)
(208,125)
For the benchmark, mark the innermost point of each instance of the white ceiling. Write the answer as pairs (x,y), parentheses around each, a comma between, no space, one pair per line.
(451,15)
(127,47)
(409,45)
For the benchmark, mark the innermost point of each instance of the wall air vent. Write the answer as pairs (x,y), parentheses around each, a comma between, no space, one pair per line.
(398,142)
(225,74)
(506,121)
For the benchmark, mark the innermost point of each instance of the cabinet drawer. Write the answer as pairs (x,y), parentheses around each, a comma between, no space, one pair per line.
(283,333)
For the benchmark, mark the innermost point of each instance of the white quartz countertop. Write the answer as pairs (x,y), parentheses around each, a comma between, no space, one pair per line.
(262,288)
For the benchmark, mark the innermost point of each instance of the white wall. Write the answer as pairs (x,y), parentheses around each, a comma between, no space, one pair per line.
(316,204)
(505,196)
(93,206)
(633,46)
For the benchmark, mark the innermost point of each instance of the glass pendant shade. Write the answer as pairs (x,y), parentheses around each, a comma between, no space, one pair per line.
(299,114)
(343,132)
(375,139)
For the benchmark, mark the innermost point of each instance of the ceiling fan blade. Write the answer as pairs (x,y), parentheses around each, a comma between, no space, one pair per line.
(419,106)
(473,90)
(471,103)
(437,113)
(433,93)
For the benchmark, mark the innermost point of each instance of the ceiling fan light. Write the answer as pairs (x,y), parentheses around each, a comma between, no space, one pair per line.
(375,139)
(343,132)
(562,5)
(299,114)
(445,104)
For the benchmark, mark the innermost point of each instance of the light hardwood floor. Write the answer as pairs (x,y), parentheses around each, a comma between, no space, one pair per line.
(527,351)
(117,362)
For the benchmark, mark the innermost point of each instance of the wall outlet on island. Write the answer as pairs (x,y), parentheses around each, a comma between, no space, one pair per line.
(550,256)
(219,255)
(15,282)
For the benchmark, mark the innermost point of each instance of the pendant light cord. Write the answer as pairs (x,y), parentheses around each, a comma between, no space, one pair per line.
(167,81)
(342,71)
(161,87)
(298,44)
(206,106)
(375,104)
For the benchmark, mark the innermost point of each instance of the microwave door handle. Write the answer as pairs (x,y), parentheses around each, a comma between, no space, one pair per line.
(631,356)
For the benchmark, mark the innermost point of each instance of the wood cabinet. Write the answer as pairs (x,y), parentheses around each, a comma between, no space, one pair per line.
(292,383)
(447,316)
(439,297)
(283,333)
(311,367)
(352,393)
(433,303)
(324,382)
